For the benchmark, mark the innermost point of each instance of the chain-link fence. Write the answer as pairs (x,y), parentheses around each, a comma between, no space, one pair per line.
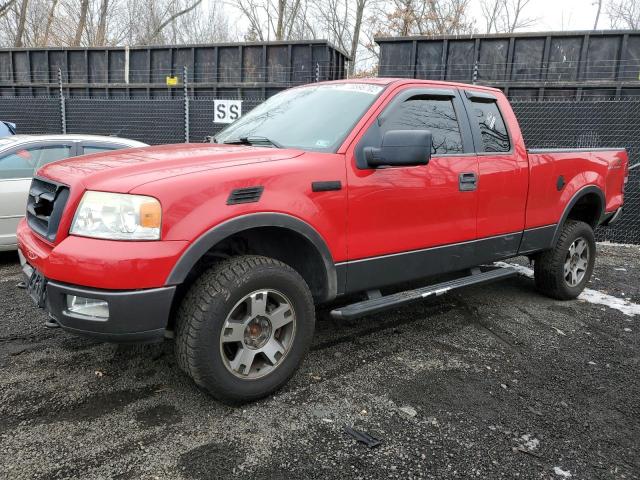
(34,115)
(591,124)
(545,124)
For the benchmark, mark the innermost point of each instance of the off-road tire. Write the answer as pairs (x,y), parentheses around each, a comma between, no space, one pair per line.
(549,265)
(205,307)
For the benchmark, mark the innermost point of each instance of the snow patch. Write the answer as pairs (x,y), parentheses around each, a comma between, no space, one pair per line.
(588,295)
(613,244)
(625,306)
(521,269)
(561,472)
(529,442)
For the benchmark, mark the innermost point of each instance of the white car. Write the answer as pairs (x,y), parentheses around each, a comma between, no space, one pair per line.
(22,155)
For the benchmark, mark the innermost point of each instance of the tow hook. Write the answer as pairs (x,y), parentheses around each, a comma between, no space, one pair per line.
(51,323)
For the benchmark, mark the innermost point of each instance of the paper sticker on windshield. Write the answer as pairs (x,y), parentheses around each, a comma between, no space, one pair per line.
(355,87)
(226,111)
(323,143)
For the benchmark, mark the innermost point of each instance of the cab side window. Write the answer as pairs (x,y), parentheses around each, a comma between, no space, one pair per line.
(428,113)
(493,130)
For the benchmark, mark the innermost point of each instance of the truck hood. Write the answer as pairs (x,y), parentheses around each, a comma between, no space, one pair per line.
(124,170)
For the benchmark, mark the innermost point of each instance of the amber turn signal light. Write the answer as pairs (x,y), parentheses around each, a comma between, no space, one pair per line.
(150,213)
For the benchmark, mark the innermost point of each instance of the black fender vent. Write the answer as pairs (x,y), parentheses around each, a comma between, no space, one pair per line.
(245,195)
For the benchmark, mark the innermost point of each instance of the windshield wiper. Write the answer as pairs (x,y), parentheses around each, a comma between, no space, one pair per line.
(253,140)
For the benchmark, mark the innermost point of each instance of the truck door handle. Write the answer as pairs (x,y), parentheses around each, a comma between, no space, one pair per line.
(468,181)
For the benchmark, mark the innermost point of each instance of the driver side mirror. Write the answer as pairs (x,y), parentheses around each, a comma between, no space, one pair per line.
(401,148)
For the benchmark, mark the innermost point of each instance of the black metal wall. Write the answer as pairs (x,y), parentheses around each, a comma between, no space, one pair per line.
(524,65)
(241,70)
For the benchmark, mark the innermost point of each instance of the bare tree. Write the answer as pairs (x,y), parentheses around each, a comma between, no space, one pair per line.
(4,7)
(599,4)
(491,10)
(514,15)
(506,15)
(101,34)
(50,18)
(624,14)
(172,18)
(355,37)
(274,19)
(428,17)
(82,22)
(22,19)
(340,21)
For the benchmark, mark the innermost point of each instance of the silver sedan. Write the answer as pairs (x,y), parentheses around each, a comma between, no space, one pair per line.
(22,155)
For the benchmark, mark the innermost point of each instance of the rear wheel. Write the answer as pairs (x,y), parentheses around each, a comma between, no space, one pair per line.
(564,271)
(244,327)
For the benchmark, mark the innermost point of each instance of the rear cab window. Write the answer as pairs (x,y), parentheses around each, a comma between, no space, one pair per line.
(486,117)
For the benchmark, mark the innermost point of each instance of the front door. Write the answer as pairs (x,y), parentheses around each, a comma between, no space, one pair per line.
(402,219)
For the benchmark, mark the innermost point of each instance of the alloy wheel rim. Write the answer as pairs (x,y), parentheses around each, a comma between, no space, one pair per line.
(258,334)
(576,262)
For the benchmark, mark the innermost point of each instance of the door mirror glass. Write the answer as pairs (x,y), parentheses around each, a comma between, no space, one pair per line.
(401,148)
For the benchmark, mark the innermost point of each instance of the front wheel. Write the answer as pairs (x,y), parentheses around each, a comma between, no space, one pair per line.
(244,327)
(564,271)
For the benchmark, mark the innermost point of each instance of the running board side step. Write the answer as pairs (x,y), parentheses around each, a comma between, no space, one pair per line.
(380,304)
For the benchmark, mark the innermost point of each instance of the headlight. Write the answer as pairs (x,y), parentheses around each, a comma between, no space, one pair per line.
(117,216)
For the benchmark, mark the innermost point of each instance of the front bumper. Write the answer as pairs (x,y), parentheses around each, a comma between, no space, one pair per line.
(134,315)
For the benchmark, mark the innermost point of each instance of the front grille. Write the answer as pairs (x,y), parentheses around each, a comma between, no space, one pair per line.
(45,206)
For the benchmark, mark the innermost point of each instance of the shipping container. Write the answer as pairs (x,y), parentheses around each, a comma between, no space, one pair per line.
(524,65)
(239,70)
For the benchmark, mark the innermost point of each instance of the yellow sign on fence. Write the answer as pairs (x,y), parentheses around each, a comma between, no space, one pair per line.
(172,81)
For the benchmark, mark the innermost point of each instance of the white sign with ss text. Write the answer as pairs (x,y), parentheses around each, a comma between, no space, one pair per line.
(226,111)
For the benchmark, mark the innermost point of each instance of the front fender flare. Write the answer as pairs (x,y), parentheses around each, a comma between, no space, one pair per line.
(215,235)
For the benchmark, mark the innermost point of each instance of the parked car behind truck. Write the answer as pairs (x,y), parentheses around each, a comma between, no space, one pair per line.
(324,190)
(7,129)
(22,155)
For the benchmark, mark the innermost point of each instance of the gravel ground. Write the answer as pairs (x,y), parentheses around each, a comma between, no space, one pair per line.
(492,382)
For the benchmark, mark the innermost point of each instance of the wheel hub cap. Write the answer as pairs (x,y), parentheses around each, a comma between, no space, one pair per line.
(576,263)
(257,332)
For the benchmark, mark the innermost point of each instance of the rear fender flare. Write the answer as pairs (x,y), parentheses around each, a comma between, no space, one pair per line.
(575,199)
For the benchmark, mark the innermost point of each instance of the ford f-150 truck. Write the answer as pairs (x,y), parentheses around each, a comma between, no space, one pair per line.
(323,190)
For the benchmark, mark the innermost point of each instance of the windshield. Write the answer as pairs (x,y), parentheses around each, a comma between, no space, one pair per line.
(317,117)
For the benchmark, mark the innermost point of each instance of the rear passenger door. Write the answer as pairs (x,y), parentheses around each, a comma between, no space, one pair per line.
(503,169)
(406,210)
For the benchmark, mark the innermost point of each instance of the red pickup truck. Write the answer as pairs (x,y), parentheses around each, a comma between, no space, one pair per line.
(323,190)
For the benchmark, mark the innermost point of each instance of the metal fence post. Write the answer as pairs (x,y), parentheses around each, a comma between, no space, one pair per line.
(63,107)
(186,105)
(474,80)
